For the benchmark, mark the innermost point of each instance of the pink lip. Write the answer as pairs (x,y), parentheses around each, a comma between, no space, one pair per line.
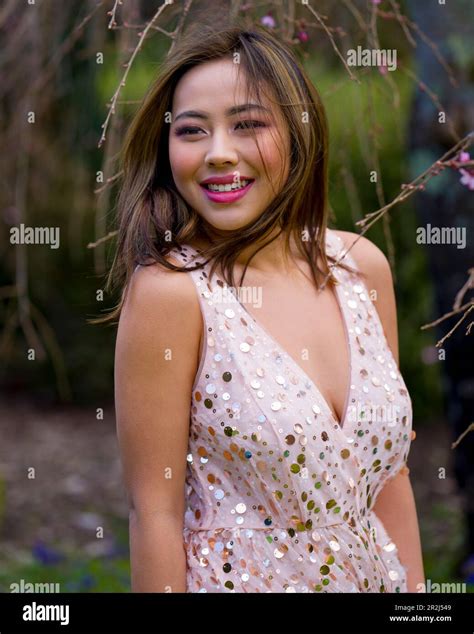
(227,197)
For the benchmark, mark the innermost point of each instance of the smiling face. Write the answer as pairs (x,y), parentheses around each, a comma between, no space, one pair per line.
(216,142)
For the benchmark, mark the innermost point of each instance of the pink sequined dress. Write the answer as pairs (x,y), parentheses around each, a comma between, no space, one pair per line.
(279,495)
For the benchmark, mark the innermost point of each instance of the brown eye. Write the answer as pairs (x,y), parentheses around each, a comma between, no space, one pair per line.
(251,124)
(186,130)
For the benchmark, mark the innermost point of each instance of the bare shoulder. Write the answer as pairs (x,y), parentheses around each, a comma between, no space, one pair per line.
(155,284)
(372,261)
(161,311)
(156,292)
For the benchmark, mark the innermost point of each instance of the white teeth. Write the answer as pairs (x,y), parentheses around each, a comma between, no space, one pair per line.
(228,187)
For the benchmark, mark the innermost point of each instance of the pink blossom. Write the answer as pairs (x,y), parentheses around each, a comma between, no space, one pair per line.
(376,1)
(467,179)
(383,70)
(302,36)
(464,157)
(268,21)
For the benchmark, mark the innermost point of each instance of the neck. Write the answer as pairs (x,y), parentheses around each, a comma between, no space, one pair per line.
(271,259)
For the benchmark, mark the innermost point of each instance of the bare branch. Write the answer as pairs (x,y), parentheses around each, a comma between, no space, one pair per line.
(333,43)
(465,432)
(128,65)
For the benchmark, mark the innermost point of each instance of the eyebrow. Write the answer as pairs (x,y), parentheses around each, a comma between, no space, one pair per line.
(231,111)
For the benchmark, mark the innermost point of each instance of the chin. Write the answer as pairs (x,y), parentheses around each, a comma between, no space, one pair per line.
(225,220)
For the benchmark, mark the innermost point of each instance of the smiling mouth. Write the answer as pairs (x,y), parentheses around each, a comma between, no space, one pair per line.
(228,187)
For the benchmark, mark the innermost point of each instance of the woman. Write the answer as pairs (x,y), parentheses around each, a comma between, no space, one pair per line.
(264,427)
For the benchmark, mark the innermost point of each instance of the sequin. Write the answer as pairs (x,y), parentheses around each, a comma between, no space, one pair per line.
(279,496)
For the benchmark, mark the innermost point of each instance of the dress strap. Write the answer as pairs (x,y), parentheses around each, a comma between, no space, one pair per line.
(336,248)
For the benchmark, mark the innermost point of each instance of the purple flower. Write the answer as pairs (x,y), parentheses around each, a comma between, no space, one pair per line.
(302,36)
(87,581)
(268,21)
(464,157)
(467,178)
(376,1)
(46,555)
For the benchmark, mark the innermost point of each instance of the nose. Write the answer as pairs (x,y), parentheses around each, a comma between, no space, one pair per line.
(221,150)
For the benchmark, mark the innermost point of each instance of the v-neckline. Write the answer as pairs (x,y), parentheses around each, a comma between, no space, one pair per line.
(299,369)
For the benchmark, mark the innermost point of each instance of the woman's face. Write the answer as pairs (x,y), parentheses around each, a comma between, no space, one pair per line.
(213,142)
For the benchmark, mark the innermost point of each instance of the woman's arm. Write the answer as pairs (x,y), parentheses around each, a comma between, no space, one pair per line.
(395,504)
(156,360)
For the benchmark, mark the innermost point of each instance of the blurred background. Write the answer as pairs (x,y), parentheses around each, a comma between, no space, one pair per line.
(73,74)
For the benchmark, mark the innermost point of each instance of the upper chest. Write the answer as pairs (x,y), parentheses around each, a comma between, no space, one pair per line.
(307,324)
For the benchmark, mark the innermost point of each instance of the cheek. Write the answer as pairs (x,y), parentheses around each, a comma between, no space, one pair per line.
(183,161)
(273,155)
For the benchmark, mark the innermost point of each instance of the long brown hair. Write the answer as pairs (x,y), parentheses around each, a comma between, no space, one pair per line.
(153,218)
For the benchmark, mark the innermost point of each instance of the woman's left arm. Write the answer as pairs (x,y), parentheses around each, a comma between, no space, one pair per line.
(395,504)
